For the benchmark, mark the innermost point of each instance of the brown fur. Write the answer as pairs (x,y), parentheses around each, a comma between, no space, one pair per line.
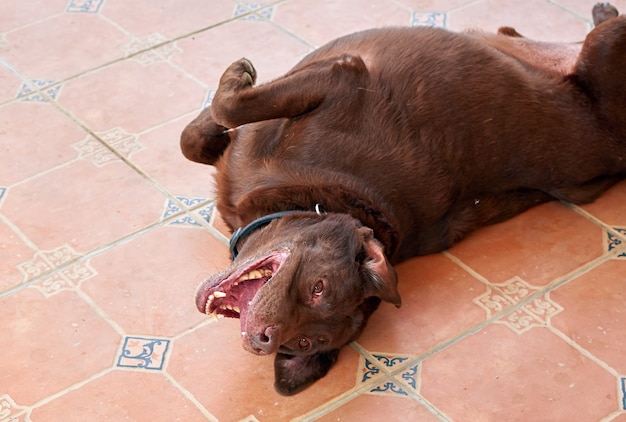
(410,138)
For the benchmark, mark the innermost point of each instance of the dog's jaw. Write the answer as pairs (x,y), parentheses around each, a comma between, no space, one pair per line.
(230,293)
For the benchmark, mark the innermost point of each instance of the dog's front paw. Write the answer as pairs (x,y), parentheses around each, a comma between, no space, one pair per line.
(239,75)
(602,12)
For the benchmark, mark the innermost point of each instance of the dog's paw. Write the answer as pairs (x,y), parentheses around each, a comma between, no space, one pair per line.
(602,12)
(239,75)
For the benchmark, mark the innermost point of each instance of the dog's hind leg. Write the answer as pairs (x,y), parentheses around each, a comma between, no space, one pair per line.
(600,73)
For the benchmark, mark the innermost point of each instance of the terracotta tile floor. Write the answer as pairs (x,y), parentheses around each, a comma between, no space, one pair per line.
(106,230)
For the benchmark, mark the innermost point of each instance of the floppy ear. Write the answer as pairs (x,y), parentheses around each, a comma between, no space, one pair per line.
(381,277)
(295,373)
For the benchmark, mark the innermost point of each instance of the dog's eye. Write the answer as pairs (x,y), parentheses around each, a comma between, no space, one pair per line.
(318,289)
(304,343)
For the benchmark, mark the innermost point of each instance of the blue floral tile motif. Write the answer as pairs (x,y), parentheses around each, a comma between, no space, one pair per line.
(25,90)
(172,208)
(614,241)
(243,8)
(144,353)
(84,6)
(390,387)
(209,98)
(432,19)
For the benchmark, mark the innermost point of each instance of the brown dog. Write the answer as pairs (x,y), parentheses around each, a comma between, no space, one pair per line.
(409,138)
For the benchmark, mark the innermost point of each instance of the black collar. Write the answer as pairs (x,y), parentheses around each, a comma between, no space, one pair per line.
(243,232)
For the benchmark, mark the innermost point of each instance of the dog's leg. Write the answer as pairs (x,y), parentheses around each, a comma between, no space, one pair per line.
(203,140)
(602,12)
(238,102)
(600,73)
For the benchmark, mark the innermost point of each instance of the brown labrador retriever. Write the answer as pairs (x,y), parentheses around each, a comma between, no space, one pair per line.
(409,138)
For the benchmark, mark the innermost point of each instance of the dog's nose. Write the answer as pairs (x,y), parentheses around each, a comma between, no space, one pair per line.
(267,341)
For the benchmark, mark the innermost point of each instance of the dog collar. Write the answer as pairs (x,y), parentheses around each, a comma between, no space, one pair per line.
(245,231)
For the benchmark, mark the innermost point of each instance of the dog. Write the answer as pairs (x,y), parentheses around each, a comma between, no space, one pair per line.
(387,144)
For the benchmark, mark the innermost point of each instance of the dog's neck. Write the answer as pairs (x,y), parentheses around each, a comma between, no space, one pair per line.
(261,203)
(243,232)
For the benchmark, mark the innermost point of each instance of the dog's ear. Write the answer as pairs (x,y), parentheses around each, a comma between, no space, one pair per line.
(381,277)
(295,373)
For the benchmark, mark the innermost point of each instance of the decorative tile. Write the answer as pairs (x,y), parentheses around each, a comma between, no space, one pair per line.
(243,8)
(65,279)
(26,91)
(162,53)
(504,295)
(432,19)
(172,208)
(612,241)
(91,149)
(144,353)
(389,387)
(9,411)
(84,6)
(209,98)
(624,393)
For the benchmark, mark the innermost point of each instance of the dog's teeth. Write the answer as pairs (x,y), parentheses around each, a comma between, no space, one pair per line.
(236,309)
(243,334)
(235,283)
(229,307)
(219,294)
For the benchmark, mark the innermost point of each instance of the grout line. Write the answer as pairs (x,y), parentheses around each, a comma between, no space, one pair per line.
(189,396)
(94,252)
(580,349)
(71,388)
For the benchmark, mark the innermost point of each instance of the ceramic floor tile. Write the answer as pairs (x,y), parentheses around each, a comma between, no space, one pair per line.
(537,246)
(121,395)
(16,14)
(111,199)
(437,304)
(497,374)
(13,251)
(207,55)
(376,408)
(536,19)
(148,284)
(161,159)
(593,312)
(10,82)
(182,18)
(131,95)
(330,19)
(50,344)
(33,148)
(82,40)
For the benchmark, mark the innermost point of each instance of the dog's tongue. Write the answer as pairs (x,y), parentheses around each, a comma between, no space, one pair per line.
(244,303)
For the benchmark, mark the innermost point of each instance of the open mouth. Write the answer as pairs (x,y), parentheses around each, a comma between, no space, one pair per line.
(230,295)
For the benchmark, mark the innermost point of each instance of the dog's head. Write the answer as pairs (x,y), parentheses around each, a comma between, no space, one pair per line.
(302,286)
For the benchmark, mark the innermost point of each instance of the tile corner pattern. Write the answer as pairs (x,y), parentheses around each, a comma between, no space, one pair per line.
(143,353)
(84,6)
